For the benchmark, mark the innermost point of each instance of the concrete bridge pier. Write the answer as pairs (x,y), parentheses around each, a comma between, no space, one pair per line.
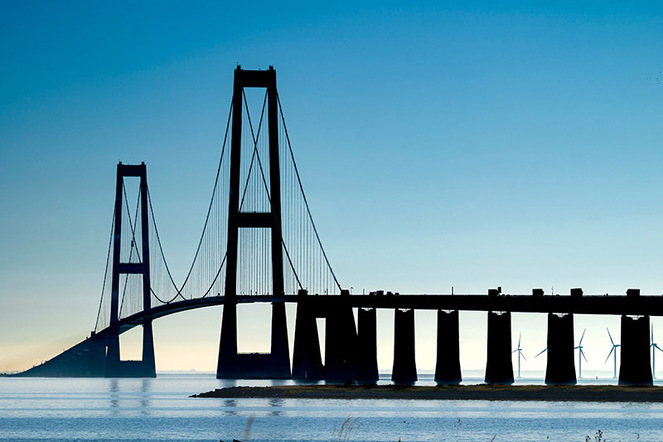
(447,367)
(307,359)
(367,357)
(635,361)
(340,342)
(499,368)
(560,366)
(279,358)
(404,371)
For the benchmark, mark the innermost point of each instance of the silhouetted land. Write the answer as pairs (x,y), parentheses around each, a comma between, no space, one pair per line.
(585,393)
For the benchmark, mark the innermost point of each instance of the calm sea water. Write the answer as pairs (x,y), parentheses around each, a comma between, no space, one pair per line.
(161,409)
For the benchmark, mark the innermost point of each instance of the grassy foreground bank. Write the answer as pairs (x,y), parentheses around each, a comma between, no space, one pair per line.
(585,393)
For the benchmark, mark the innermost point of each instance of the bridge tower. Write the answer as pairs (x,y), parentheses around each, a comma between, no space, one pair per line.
(114,366)
(276,364)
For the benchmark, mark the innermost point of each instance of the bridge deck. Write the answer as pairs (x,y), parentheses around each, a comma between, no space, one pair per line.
(603,305)
(597,305)
(589,304)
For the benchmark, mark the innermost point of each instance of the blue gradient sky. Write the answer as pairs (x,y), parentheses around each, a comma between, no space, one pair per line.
(516,144)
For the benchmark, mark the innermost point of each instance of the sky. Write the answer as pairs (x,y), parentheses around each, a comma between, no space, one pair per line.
(441,144)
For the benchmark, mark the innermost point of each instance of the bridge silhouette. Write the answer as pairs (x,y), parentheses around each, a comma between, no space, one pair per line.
(259,244)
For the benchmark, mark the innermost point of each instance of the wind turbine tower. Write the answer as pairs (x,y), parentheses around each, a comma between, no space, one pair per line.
(580,353)
(520,353)
(654,346)
(613,349)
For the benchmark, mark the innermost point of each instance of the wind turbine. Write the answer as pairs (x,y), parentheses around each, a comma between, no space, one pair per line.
(520,354)
(613,349)
(654,346)
(580,353)
(541,352)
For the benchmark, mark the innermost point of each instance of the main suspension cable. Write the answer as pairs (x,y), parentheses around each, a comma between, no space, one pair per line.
(264,180)
(209,209)
(103,285)
(163,257)
(255,154)
(133,242)
(308,210)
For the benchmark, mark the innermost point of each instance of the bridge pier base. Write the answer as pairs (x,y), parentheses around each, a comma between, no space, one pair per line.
(367,357)
(233,365)
(279,358)
(340,343)
(499,368)
(404,371)
(148,362)
(560,366)
(307,359)
(635,365)
(145,368)
(447,367)
(226,366)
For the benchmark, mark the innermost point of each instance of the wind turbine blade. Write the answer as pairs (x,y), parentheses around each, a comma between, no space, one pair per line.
(611,350)
(519,336)
(652,332)
(544,350)
(657,347)
(521,354)
(581,337)
(610,336)
(583,355)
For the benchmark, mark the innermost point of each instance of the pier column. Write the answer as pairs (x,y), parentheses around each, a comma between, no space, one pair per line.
(340,342)
(405,367)
(148,368)
(367,357)
(560,366)
(635,361)
(227,363)
(499,368)
(279,358)
(447,367)
(307,359)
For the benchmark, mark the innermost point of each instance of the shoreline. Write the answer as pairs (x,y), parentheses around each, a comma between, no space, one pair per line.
(573,393)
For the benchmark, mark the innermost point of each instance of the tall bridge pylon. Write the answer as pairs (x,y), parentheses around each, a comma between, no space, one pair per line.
(115,367)
(276,364)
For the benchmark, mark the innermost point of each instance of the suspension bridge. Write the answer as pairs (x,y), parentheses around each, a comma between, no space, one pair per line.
(259,244)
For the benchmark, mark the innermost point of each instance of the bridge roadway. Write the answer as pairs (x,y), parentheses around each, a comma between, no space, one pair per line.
(651,305)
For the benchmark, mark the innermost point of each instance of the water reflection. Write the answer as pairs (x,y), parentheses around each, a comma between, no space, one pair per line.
(146,389)
(130,394)
(113,389)
(277,405)
(230,407)
(227,383)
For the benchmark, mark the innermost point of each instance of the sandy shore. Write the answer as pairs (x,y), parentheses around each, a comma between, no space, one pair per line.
(586,393)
